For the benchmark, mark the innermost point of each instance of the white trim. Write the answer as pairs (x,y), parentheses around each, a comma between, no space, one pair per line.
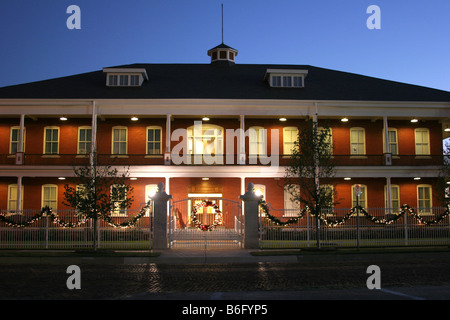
(427,151)
(49,185)
(112,141)
(78,140)
(45,137)
(427,212)
(18,138)
(358,129)
(160,140)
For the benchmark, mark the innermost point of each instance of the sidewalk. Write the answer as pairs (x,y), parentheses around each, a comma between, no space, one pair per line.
(170,256)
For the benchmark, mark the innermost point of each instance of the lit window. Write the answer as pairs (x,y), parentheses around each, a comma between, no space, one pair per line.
(393,141)
(118,197)
(51,140)
(119,143)
(84,140)
(362,201)
(422,137)
(257,141)
(289,138)
(395,198)
(12,198)
(153,140)
(424,198)
(357,141)
(14,141)
(50,196)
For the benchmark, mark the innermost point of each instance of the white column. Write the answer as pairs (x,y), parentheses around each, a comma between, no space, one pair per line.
(242,143)
(19,195)
(93,134)
(389,193)
(21,133)
(387,147)
(167,156)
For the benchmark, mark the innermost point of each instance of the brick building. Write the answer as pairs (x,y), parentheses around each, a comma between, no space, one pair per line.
(206,130)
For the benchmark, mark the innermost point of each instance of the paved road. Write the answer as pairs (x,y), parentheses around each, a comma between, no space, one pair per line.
(326,277)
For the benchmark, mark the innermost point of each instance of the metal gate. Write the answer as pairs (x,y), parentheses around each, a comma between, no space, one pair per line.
(205,223)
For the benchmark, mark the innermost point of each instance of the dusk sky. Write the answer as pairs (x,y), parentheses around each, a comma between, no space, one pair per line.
(412,46)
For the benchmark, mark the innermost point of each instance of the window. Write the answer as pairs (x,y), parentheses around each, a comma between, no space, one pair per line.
(205,140)
(124,80)
(395,199)
(154,140)
(14,140)
(50,196)
(286,78)
(12,198)
(424,202)
(422,137)
(393,141)
(118,196)
(362,201)
(119,143)
(328,192)
(112,80)
(289,138)
(257,141)
(84,140)
(51,140)
(134,80)
(291,206)
(329,140)
(357,141)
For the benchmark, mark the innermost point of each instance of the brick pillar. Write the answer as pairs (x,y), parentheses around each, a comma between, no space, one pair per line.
(160,200)
(251,221)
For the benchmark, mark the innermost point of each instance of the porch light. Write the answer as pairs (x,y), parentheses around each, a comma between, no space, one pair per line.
(344,119)
(347,178)
(63,118)
(414,120)
(205,179)
(205,118)
(61,178)
(282,119)
(417,178)
(133,178)
(447,129)
(134,118)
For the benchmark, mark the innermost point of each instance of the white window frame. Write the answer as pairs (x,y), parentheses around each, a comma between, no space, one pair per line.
(148,141)
(117,212)
(390,207)
(45,201)
(330,136)
(209,131)
(291,207)
(257,141)
(51,141)
(285,80)
(358,142)
(120,141)
(422,148)
(85,141)
(426,210)
(11,142)
(362,198)
(289,140)
(124,80)
(12,201)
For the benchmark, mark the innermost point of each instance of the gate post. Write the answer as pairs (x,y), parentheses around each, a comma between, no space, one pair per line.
(251,221)
(160,200)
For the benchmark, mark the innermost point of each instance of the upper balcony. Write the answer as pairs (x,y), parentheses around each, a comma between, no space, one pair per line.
(214,160)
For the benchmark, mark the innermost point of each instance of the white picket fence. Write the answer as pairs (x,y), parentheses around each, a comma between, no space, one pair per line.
(44,233)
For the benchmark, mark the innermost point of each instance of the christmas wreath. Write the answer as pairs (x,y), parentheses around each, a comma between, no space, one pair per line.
(217,219)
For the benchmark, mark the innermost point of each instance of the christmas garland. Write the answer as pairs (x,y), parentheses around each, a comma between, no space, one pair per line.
(335,222)
(217,219)
(56,220)
(277,221)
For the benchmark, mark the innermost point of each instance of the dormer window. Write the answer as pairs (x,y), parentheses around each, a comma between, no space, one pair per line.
(116,77)
(286,78)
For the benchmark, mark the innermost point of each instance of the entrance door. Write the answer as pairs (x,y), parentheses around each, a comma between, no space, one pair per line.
(205,215)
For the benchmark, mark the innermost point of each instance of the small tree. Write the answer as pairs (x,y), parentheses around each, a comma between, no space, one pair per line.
(309,175)
(443,186)
(97,191)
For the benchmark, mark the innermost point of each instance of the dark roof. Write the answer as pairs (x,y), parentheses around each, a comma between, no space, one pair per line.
(217,81)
